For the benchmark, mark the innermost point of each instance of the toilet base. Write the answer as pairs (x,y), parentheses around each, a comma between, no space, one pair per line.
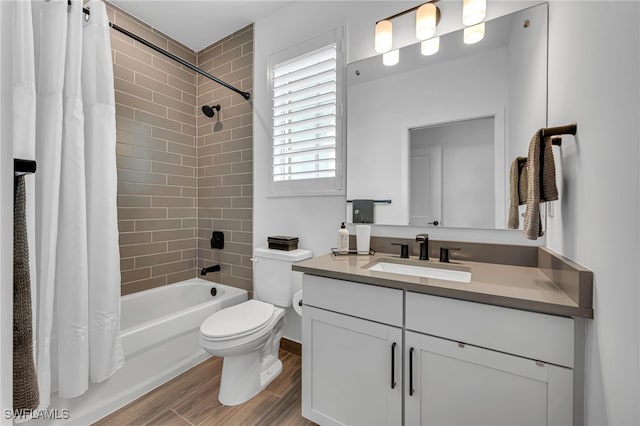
(243,376)
(270,373)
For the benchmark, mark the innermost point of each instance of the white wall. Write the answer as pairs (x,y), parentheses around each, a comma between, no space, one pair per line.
(6,215)
(593,80)
(526,80)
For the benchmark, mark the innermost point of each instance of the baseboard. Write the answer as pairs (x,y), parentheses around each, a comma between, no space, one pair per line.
(291,346)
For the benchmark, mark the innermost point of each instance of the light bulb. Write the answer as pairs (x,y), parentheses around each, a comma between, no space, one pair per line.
(474,34)
(391,58)
(473,11)
(426,21)
(430,47)
(383,36)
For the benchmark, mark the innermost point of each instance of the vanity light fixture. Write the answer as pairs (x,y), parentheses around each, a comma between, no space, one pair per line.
(383,36)
(426,21)
(473,11)
(430,47)
(474,33)
(391,58)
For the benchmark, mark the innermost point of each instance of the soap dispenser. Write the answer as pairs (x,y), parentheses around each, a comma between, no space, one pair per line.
(343,239)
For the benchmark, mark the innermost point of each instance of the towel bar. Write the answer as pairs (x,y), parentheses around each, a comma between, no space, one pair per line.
(21,167)
(569,129)
(375,201)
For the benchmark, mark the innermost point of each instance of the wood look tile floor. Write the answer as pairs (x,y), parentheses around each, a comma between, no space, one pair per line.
(192,399)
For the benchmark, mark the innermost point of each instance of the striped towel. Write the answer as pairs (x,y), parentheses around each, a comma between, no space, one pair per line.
(518,190)
(25,382)
(541,183)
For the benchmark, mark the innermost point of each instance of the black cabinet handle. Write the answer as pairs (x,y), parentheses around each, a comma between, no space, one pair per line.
(411,372)
(393,365)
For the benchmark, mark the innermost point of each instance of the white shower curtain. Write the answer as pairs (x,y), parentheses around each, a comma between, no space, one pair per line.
(77,299)
(102,187)
(24,132)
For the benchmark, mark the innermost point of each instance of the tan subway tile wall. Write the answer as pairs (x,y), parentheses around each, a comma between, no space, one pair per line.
(156,158)
(181,174)
(225,159)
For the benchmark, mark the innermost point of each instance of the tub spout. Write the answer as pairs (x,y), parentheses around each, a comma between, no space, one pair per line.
(214,268)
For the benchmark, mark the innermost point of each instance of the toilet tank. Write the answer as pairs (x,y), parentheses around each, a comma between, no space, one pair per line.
(274,281)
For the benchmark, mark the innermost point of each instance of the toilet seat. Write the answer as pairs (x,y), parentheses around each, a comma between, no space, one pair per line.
(237,321)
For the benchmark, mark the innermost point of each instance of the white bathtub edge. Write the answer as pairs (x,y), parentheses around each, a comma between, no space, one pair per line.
(171,347)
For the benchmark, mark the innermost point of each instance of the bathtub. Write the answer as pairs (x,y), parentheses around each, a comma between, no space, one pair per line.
(160,331)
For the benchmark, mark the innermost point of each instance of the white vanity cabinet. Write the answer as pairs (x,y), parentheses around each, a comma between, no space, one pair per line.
(450,383)
(353,372)
(453,362)
(352,367)
(471,363)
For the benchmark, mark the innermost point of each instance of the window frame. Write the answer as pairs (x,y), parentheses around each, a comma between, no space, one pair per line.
(316,186)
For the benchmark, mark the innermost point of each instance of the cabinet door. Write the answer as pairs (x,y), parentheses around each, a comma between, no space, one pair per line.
(449,383)
(351,370)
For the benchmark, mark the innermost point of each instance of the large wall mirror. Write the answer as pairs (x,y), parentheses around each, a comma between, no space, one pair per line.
(436,134)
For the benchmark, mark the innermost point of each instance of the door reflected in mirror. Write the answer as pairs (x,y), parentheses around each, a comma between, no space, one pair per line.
(451,174)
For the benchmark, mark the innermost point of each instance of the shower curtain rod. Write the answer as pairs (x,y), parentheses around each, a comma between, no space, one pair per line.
(170,55)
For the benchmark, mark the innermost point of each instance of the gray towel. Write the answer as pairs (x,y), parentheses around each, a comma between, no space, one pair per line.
(362,211)
(518,190)
(25,382)
(541,183)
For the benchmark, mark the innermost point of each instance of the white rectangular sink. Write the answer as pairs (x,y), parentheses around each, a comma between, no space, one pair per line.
(422,271)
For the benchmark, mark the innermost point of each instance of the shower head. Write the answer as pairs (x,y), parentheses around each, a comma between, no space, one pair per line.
(209,110)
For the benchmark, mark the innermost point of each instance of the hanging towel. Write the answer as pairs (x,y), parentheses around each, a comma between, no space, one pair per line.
(362,211)
(518,190)
(25,382)
(541,185)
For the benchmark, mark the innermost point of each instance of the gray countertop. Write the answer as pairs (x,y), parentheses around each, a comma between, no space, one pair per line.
(518,287)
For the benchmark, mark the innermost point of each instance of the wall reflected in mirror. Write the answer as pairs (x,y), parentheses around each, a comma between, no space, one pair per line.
(436,134)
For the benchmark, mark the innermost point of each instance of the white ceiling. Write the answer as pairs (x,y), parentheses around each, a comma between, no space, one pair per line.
(198,24)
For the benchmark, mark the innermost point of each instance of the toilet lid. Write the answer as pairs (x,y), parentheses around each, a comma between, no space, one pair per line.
(237,319)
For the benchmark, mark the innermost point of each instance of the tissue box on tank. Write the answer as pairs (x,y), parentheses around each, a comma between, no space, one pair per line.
(281,242)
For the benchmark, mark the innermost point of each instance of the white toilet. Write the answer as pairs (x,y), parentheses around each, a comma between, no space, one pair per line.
(248,335)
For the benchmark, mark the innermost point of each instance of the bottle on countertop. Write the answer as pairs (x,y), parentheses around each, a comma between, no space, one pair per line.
(343,239)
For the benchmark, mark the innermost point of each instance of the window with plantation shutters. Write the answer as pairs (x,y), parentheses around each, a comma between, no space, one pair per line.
(306,151)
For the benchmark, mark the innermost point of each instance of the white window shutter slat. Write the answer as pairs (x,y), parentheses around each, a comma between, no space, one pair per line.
(304,116)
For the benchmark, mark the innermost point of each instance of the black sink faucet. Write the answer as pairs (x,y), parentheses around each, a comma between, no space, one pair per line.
(423,239)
